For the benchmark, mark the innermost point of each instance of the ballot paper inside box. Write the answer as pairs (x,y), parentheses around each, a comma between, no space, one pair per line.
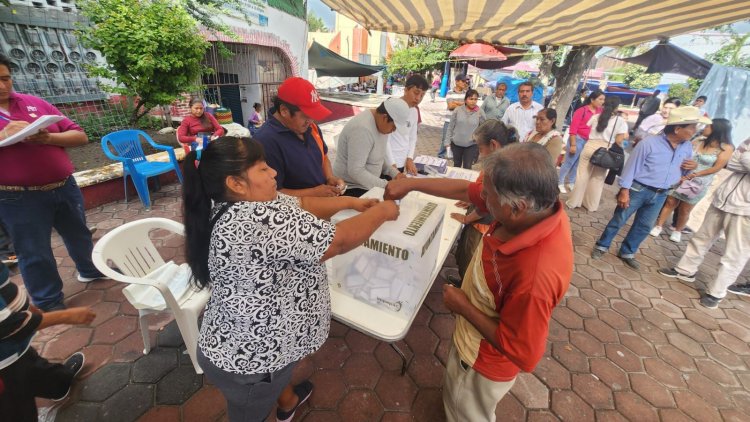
(394,267)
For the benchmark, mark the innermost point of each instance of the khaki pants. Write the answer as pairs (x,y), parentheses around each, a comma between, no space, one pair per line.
(589,180)
(467,395)
(736,228)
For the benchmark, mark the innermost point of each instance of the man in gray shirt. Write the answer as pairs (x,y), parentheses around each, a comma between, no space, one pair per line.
(361,156)
(494,106)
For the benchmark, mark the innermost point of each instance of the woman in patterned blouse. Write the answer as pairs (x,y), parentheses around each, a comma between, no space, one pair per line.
(261,252)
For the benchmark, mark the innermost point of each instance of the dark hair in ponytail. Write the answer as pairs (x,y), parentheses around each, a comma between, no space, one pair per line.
(205,183)
(610,107)
(205,122)
(594,95)
(496,130)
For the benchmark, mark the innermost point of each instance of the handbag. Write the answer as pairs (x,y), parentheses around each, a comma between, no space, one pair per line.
(690,188)
(607,158)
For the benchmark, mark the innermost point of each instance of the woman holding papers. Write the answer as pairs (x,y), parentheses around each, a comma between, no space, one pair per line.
(261,252)
(38,193)
(196,123)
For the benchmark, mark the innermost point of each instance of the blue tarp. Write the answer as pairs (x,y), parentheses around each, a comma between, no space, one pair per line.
(728,92)
(512,84)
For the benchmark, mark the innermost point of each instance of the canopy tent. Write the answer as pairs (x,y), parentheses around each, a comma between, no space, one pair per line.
(485,56)
(728,92)
(668,58)
(580,22)
(327,63)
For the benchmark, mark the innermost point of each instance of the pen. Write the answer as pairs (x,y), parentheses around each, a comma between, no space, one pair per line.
(4,118)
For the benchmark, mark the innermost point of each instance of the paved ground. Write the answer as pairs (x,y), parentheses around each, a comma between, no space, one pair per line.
(623,345)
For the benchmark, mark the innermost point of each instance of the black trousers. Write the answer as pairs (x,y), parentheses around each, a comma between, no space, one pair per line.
(465,156)
(29,377)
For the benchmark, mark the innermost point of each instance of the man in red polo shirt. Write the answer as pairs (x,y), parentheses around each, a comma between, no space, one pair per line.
(519,273)
(38,193)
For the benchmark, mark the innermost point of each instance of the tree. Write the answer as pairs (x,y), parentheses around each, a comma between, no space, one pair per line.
(731,53)
(568,76)
(419,55)
(315,23)
(154,58)
(635,77)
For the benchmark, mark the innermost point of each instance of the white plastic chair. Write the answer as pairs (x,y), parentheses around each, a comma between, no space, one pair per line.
(154,285)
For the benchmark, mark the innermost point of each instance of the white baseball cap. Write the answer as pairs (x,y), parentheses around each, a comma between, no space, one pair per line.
(399,112)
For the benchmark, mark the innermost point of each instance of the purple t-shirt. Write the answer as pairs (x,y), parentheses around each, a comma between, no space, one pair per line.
(26,164)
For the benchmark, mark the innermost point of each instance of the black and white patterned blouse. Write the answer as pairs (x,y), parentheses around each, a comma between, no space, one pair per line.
(270,304)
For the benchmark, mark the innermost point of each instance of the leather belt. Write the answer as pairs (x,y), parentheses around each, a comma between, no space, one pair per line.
(651,188)
(47,187)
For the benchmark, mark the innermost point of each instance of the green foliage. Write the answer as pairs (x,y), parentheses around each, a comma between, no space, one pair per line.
(113,117)
(315,23)
(522,74)
(694,84)
(635,76)
(292,7)
(154,58)
(682,91)
(731,53)
(420,55)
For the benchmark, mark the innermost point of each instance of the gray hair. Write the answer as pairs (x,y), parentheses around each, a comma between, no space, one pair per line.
(523,172)
(497,130)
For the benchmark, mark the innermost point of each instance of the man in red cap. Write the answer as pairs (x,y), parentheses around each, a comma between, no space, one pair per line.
(294,145)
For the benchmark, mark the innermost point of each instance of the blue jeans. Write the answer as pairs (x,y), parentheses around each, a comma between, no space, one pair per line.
(645,204)
(443,149)
(29,217)
(569,167)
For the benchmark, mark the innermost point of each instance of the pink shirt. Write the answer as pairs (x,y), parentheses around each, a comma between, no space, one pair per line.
(25,164)
(191,126)
(579,124)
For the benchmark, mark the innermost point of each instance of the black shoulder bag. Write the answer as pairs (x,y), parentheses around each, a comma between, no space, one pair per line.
(606,157)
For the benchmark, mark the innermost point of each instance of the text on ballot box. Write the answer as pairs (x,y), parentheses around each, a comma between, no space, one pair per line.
(393,268)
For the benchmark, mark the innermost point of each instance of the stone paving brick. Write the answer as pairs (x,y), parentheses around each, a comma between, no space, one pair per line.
(443,350)
(634,407)
(570,357)
(614,319)
(586,343)
(581,307)
(554,375)
(114,330)
(96,357)
(741,400)
(360,343)
(362,370)
(694,331)
(170,336)
(206,405)
(732,343)
(725,357)
(389,359)
(332,354)
(541,416)
(593,391)
(329,389)
(426,371)
(557,333)
(162,414)
(67,343)
(609,416)
(567,318)
(443,326)
(707,389)
(152,367)
(636,299)
(89,297)
(128,404)
(177,386)
(637,344)
(695,407)
(736,330)
(570,407)
(530,391)
(648,331)
(623,357)
(104,311)
(651,390)
(600,330)
(131,347)
(674,415)
(610,374)
(510,409)
(686,344)
(625,308)
(732,415)
(422,340)
(396,392)
(362,405)
(105,382)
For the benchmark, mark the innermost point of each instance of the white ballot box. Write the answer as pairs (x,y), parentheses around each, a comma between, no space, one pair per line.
(394,267)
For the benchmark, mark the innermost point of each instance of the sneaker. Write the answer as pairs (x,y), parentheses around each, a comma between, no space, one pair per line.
(10,260)
(597,253)
(631,262)
(673,273)
(303,391)
(83,279)
(561,187)
(740,289)
(570,187)
(75,365)
(675,237)
(710,302)
(687,230)
(656,231)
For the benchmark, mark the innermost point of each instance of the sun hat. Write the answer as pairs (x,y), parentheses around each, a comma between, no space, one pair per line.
(687,115)
(301,93)
(399,112)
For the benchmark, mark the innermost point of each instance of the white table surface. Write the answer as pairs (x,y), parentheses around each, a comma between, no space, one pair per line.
(385,325)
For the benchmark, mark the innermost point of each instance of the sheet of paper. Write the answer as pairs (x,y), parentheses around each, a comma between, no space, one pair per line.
(31,129)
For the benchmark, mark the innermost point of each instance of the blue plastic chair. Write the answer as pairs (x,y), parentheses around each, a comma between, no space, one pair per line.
(127,145)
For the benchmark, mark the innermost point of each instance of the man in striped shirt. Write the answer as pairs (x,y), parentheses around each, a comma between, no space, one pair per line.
(24,374)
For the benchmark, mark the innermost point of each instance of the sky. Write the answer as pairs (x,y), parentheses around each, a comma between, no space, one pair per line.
(322,11)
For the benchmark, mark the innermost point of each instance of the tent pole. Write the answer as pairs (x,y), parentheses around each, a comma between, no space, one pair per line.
(445,82)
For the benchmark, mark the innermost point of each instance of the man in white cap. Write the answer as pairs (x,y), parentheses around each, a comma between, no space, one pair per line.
(656,164)
(361,158)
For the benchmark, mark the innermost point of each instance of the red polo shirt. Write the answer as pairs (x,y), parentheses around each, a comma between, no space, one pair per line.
(25,164)
(517,283)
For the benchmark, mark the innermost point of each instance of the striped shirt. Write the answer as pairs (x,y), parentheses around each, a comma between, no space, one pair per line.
(17,322)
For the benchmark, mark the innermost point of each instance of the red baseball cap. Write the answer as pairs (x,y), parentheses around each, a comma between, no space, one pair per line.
(300,92)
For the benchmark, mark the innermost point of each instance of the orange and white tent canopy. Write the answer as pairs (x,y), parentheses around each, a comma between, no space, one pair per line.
(540,22)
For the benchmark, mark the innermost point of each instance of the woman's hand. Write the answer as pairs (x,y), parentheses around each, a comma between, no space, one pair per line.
(462,204)
(389,208)
(461,218)
(363,204)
